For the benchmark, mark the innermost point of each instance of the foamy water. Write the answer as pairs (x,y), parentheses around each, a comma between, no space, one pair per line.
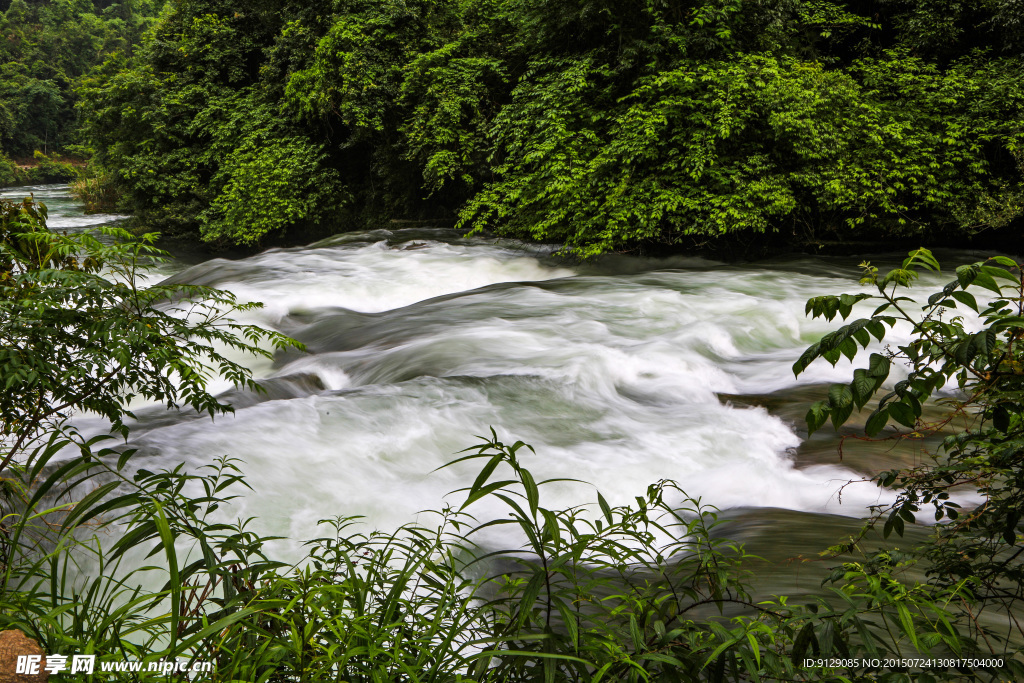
(416,343)
(64,211)
(417,340)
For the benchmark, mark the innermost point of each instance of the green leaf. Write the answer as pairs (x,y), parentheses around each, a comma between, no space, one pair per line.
(849,348)
(167,543)
(878,367)
(839,395)
(876,422)
(986,281)
(967,299)
(804,639)
(606,509)
(966,274)
(485,491)
(841,402)
(862,387)
(530,594)
(806,358)
(530,488)
(923,257)
(902,413)
(907,622)
(1000,273)
(876,328)
(817,416)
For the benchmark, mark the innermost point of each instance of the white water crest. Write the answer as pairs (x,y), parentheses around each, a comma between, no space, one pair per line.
(417,340)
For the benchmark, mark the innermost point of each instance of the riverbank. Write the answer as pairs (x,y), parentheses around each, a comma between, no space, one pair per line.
(38,169)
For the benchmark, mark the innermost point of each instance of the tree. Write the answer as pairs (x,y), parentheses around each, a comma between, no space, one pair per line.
(603,125)
(78,333)
(46,48)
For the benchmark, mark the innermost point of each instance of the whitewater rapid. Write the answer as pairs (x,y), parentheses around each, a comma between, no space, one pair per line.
(617,373)
(418,340)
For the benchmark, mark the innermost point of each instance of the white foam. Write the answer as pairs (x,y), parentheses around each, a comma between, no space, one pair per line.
(420,343)
(612,379)
(376,277)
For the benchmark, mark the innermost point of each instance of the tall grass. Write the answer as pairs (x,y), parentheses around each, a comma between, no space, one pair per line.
(96,191)
(645,592)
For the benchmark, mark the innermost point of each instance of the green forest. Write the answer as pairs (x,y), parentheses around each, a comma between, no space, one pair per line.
(603,125)
(598,127)
(46,50)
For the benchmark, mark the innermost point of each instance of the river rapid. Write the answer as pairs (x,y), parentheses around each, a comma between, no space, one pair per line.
(619,372)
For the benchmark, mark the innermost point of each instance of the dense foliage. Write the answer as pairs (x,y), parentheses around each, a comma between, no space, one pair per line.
(966,350)
(45,49)
(601,124)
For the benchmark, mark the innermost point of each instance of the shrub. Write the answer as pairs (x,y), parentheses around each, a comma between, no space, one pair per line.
(968,343)
(51,169)
(97,191)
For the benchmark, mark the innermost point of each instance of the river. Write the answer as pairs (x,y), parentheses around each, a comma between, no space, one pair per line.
(619,372)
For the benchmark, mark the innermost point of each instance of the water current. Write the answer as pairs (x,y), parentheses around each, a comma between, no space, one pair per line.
(619,372)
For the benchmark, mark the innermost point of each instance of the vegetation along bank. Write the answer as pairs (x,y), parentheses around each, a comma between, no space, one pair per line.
(605,125)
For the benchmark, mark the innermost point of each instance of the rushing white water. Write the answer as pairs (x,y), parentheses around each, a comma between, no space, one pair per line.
(65,213)
(418,340)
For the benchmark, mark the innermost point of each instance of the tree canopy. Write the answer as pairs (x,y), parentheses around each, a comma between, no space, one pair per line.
(601,124)
(46,48)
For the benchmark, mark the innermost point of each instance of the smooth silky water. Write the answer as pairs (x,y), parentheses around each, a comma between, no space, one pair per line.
(619,372)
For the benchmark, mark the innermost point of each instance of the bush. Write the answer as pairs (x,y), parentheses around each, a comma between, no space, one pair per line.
(97,191)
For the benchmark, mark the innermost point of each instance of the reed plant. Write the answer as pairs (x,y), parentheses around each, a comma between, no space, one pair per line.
(643,592)
(96,191)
